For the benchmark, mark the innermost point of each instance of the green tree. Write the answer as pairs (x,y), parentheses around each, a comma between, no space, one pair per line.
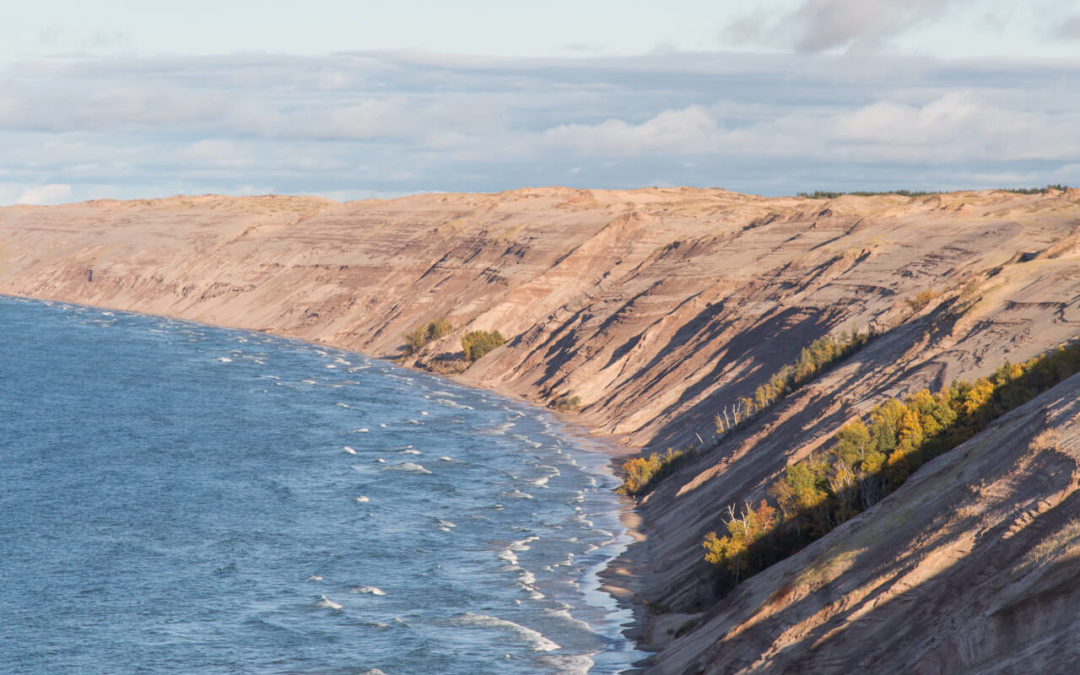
(479,342)
(417,338)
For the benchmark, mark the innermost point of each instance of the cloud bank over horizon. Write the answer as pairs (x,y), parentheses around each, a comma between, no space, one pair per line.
(831,109)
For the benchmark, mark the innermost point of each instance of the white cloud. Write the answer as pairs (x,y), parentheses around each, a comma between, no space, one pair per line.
(392,123)
(821,25)
(54,193)
(689,131)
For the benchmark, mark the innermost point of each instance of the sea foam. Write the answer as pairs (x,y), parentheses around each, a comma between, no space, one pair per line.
(535,638)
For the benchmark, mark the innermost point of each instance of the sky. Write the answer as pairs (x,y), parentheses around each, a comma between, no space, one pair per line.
(353,100)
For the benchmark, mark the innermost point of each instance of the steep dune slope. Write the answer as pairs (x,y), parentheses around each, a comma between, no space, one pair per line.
(971,565)
(657,308)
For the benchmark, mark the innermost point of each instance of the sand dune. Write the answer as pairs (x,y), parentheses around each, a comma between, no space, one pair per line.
(656,308)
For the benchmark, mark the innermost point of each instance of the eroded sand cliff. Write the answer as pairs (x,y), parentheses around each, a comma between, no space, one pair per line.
(657,308)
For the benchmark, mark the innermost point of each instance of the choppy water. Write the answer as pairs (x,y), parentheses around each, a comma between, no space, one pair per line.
(178,498)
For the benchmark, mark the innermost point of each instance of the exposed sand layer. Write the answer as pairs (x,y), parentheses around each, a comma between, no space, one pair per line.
(657,308)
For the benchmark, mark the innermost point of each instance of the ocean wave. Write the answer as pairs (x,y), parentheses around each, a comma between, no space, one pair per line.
(367,590)
(349,450)
(326,603)
(411,467)
(535,638)
(445,402)
(523,544)
(569,664)
(543,481)
(362,499)
(528,441)
(565,615)
(516,494)
(361,430)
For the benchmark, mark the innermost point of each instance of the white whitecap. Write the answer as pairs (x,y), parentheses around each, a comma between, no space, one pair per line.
(523,544)
(349,450)
(362,499)
(445,402)
(528,441)
(314,577)
(367,590)
(410,467)
(564,614)
(535,638)
(326,603)
(225,359)
(569,664)
(361,430)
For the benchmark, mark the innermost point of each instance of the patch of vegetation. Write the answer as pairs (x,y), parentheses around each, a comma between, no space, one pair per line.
(479,342)
(686,627)
(828,194)
(825,194)
(417,339)
(641,473)
(567,403)
(1036,191)
(863,464)
(815,359)
(921,300)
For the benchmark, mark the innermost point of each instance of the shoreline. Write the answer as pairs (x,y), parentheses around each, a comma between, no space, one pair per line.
(622,594)
(651,310)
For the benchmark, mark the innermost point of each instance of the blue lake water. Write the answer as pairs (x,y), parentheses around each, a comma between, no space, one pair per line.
(180,498)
